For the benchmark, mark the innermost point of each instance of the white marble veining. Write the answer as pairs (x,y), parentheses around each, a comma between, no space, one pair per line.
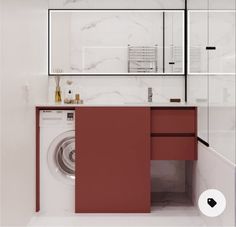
(91,41)
(222,59)
(120,90)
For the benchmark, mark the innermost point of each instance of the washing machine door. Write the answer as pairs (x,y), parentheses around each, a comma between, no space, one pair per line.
(61,157)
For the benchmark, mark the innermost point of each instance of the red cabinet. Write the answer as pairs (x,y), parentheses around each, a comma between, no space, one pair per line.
(114,146)
(174,133)
(112,159)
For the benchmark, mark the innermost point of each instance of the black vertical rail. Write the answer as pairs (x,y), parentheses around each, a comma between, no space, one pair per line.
(163,42)
(186,51)
(49,35)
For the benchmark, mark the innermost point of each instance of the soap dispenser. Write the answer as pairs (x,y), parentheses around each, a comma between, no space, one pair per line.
(69,92)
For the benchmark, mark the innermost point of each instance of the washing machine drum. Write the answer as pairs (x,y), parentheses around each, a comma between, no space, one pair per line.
(61,157)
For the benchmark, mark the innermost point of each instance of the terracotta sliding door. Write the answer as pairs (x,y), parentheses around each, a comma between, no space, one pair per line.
(112,159)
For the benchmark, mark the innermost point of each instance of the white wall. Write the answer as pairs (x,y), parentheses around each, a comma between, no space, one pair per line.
(0,113)
(24,82)
(213,171)
(213,4)
(122,4)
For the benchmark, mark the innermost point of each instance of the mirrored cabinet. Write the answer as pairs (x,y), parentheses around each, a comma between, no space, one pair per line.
(211,41)
(116,42)
(174,42)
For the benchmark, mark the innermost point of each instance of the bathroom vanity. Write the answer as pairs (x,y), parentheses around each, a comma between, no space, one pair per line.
(114,147)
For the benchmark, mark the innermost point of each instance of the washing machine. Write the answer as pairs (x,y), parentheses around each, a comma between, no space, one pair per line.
(57,161)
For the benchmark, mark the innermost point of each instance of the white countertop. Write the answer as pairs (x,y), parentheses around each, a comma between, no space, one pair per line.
(131,104)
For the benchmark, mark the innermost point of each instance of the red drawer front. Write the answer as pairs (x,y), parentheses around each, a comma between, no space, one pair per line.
(173,148)
(170,120)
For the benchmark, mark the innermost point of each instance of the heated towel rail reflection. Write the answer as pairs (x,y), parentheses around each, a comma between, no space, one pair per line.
(142,59)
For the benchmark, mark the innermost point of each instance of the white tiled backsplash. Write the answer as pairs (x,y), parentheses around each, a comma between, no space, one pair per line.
(123,89)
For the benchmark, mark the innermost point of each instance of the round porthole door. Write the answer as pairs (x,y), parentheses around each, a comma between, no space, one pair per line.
(61,157)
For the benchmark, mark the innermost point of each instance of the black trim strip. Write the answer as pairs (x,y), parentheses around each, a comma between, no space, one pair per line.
(186,51)
(124,74)
(119,9)
(203,141)
(49,43)
(210,48)
(172,134)
(163,49)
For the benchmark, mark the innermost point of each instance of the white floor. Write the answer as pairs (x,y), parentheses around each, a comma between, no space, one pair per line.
(160,216)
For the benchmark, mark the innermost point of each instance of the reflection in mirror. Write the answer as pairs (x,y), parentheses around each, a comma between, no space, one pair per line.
(211,41)
(116,41)
(174,42)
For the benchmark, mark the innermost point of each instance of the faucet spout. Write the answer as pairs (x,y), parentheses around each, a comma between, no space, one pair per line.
(150,94)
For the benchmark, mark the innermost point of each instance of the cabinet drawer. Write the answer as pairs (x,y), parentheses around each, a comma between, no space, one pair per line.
(173,120)
(173,148)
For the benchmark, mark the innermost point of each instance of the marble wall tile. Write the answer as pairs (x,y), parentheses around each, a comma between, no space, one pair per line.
(204,31)
(123,4)
(98,41)
(123,89)
(170,4)
(211,4)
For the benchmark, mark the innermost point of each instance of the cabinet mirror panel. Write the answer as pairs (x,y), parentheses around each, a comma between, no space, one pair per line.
(212,41)
(116,42)
(174,42)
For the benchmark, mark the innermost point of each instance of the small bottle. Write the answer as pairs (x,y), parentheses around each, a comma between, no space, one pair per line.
(58,94)
(77,98)
(58,90)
